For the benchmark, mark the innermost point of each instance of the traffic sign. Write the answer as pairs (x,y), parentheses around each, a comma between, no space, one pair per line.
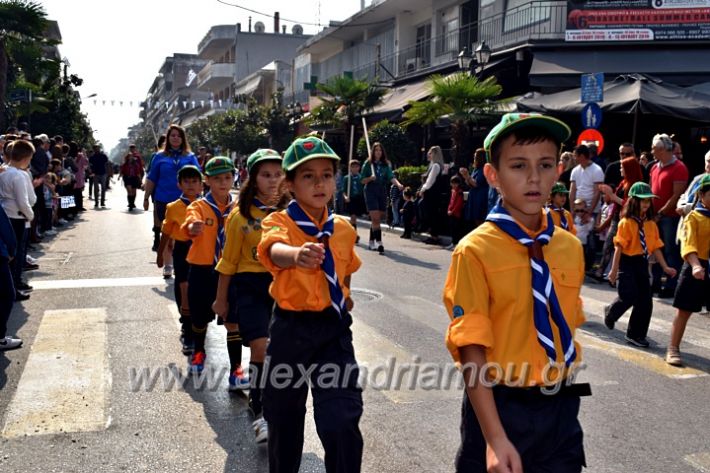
(592,88)
(19,95)
(591,136)
(591,116)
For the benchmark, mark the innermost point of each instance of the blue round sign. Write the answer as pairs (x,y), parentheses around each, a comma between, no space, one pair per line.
(591,116)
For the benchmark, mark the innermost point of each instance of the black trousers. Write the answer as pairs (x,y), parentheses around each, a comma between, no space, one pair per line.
(544,430)
(182,267)
(634,289)
(312,345)
(201,292)
(21,235)
(7,294)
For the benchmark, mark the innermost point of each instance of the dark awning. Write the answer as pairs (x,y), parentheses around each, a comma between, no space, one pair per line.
(633,94)
(562,69)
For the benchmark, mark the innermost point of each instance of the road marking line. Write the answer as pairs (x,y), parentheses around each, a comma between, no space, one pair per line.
(693,335)
(640,358)
(699,461)
(66,382)
(101,282)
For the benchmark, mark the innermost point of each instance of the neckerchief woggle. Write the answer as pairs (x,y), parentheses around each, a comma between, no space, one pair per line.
(221,235)
(299,216)
(545,303)
(563,219)
(642,236)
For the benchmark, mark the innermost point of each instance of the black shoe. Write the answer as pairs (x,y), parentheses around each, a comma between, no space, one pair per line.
(21,296)
(666,293)
(608,322)
(23,286)
(380,249)
(30,267)
(432,241)
(639,342)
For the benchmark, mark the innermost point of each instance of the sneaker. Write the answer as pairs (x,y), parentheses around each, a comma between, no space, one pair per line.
(639,342)
(31,260)
(197,362)
(238,381)
(24,287)
(673,357)
(261,430)
(380,248)
(450,247)
(608,322)
(168,271)
(188,346)
(371,246)
(21,296)
(10,343)
(63,221)
(50,232)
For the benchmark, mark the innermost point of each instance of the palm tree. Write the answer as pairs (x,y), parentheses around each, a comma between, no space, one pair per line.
(346,100)
(462,98)
(21,21)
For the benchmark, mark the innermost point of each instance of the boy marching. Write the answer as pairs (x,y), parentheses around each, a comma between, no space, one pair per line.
(512,293)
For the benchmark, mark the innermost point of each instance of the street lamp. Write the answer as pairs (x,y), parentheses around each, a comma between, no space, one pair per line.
(483,54)
(475,62)
(465,58)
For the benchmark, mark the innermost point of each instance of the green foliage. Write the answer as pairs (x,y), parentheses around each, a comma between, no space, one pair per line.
(394,139)
(411,176)
(345,100)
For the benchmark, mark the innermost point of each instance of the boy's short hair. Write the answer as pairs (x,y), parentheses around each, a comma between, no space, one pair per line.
(580,202)
(55,162)
(408,192)
(526,128)
(581,149)
(19,150)
(354,162)
(456,180)
(189,171)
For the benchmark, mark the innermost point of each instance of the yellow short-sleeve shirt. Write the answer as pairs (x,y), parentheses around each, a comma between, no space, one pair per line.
(243,237)
(696,235)
(175,214)
(488,295)
(202,250)
(628,238)
(302,289)
(558,220)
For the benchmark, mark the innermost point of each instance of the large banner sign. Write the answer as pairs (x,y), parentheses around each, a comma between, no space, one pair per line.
(638,20)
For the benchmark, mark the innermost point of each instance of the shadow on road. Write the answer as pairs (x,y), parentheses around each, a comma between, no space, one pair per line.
(403,258)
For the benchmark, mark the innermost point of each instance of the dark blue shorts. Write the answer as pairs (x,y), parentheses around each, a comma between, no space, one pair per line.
(692,294)
(544,430)
(201,293)
(375,197)
(250,304)
(182,267)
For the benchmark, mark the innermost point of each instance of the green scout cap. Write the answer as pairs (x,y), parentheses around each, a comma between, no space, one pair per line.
(513,121)
(219,165)
(262,154)
(306,149)
(559,188)
(704,181)
(189,170)
(641,190)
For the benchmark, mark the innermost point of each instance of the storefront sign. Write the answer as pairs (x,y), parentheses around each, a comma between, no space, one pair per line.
(638,20)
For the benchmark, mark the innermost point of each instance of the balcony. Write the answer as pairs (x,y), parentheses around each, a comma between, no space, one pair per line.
(217,39)
(216,76)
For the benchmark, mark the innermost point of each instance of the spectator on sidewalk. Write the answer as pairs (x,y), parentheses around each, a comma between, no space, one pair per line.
(585,179)
(433,193)
(82,163)
(354,197)
(8,249)
(476,207)
(98,162)
(669,179)
(132,174)
(455,211)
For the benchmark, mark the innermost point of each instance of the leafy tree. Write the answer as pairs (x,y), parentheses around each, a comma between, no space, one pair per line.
(462,98)
(400,149)
(22,23)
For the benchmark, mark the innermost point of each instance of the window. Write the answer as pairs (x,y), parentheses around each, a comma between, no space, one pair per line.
(448,39)
(523,13)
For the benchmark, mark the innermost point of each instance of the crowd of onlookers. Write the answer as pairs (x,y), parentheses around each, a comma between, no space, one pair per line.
(42,182)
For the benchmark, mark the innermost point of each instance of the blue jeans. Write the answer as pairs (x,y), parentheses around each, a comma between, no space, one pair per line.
(667,227)
(395,212)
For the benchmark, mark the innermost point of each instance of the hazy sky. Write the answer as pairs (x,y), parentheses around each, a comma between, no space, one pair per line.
(118,46)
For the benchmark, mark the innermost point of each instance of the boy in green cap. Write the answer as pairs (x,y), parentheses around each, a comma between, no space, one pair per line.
(310,252)
(512,293)
(204,225)
(560,215)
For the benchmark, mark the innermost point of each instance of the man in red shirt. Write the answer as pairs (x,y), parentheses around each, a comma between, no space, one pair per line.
(669,178)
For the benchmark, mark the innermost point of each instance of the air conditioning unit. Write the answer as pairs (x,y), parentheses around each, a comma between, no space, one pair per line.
(414,64)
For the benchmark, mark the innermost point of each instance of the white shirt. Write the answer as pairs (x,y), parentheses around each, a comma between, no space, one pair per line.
(17,195)
(434,172)
(585,181)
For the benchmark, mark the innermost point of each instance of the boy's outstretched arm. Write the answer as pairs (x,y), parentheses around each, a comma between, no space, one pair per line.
(501,455)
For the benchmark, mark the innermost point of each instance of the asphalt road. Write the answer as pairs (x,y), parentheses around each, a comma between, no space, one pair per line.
(70,399)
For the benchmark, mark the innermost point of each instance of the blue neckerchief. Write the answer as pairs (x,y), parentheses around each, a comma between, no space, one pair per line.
(563,219)
(700,208)
(545,303)
(187,201)
(221,236)
(642,235)
(299,216)
(263,207)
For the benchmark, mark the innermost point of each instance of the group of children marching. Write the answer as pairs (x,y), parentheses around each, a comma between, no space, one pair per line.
(276,265)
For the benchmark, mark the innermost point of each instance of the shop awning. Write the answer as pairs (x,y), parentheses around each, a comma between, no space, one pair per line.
(397,99)
(248,87)
(561,69)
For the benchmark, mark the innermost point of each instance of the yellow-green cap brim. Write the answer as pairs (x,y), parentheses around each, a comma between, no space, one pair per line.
(310,157)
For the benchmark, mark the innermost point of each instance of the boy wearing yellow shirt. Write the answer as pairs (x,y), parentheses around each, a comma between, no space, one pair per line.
(204,225)
(512,293)
(311,254)
(561,216)
(190,183)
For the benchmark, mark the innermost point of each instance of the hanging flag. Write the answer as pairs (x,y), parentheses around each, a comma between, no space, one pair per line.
(220,103)
(121,103)
(190,77)
(202,103)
